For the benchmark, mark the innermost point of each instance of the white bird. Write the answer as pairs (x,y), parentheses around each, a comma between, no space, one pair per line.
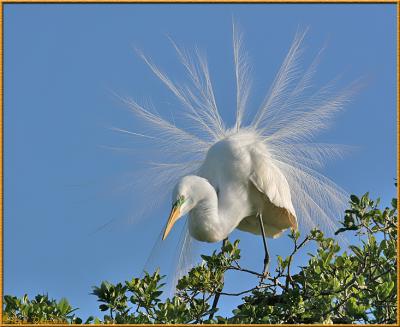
(260,177)
(235,184)
(237,187)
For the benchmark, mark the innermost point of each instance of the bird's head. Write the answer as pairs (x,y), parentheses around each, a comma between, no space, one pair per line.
(187,192)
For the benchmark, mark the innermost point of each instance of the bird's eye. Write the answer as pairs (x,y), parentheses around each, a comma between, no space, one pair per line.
(180,200)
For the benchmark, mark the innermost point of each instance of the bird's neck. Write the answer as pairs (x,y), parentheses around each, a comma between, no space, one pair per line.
(210,220)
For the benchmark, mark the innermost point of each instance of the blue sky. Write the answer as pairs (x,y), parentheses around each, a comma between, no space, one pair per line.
(63,182)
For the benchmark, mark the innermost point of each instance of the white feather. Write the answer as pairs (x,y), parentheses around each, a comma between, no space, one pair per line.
(289,117)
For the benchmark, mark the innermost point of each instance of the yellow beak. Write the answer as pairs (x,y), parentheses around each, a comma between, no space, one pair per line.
(173,217)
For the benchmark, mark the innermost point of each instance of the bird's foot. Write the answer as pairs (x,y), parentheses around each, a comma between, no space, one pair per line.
(265,273)
(263,276)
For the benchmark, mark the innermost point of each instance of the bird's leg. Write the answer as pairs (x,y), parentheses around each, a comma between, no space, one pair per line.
(218,293)
(266,257)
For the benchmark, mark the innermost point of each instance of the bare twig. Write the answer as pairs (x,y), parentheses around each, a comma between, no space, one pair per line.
(296,248)
(246,270)
(218,293)
(240,293)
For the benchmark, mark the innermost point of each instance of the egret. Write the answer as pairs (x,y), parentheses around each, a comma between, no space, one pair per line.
(236,187)
(259,175)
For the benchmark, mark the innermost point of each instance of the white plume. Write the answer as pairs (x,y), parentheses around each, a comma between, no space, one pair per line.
(291,114)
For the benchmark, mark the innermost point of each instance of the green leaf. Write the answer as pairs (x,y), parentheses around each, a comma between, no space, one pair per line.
(358,252)
(64,306)
(103,307)
(354,199)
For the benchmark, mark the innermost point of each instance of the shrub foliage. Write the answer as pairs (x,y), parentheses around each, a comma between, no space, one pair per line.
(357,285)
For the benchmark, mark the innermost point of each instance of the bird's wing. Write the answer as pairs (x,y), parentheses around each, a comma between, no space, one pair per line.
(278,210)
